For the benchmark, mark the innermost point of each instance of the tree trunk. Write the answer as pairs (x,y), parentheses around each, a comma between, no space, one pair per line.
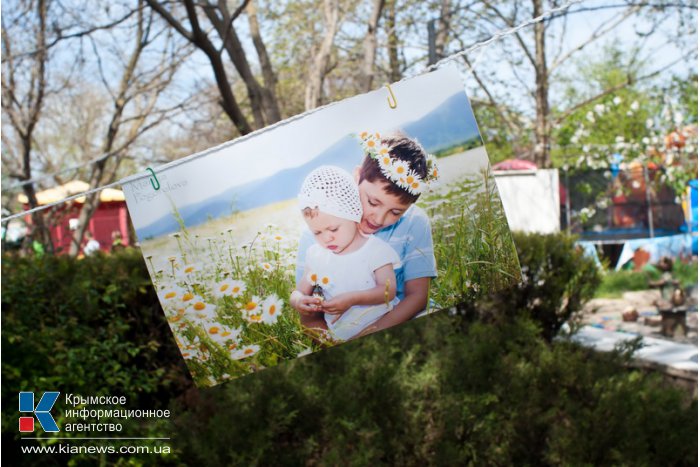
(24,116)
(442,35)
(40,231)
(393,42)
(200,40)
(370,45)
(92,201)
(222,21)
(320,60)
(541,151)
(269,92)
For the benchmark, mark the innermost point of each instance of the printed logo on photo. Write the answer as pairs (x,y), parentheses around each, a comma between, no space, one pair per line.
(42,411)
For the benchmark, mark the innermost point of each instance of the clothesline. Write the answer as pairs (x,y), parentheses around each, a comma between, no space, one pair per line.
(496,36)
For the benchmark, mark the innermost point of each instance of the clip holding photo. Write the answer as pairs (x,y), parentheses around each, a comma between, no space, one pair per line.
(392,98)
(154,180)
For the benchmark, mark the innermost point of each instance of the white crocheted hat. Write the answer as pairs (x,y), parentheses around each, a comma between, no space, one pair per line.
(332,190)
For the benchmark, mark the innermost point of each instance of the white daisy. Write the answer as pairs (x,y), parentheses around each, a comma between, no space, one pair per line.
(221,334)
(313,278)
(190,271)
(169,295)
(372,142)
(188,298)
(252,311)
(325,282)
(399,169)
(271,309)
(416,187)
(203,310)
(245,352)
(410,178)
(228,288)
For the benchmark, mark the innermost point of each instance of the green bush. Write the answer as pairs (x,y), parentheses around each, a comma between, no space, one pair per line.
(437,390)
(686,272)
(557,279)
(87,327)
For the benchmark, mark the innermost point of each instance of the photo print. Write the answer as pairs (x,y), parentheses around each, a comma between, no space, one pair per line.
(344,222)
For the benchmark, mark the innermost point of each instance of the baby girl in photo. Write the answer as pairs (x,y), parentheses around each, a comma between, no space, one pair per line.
(344,265)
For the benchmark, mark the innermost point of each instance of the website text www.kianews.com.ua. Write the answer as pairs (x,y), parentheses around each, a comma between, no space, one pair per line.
(66,448)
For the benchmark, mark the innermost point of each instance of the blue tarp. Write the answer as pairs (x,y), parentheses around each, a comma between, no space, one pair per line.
(658,247)
(693,227)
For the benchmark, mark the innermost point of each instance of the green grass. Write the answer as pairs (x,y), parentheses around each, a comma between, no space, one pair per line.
(473,246)
(615,283)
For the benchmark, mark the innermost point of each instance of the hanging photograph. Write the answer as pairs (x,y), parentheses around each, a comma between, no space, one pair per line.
(372,212)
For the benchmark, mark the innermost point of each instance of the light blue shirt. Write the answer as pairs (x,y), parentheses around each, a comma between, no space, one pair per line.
(410,237)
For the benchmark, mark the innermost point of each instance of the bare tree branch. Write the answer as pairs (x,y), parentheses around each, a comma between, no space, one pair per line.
(599,32)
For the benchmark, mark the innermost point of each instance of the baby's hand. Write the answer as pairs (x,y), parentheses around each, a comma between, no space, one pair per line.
(338,304)
(305,304)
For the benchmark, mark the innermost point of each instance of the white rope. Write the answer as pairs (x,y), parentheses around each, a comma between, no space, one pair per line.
(30,181)
(501,34)
(58,172)
(498,35)
(56,203)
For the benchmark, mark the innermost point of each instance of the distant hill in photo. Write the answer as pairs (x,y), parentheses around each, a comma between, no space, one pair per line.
(281,186)
(448,125)
(451,124)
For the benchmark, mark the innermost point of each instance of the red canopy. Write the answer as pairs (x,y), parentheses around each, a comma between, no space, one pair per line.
(515,164)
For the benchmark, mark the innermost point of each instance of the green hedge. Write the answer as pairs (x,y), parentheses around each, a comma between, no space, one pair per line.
(87,327)
(434,393)
(438,390)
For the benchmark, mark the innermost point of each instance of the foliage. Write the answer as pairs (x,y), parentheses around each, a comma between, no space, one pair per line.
(652,126)
(217,296)
(615,283)
(686,272)
(557,280)
(501,142)
(437,390)
(472,242)
(88,327)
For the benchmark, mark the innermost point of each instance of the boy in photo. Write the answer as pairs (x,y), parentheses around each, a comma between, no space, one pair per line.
(393,174)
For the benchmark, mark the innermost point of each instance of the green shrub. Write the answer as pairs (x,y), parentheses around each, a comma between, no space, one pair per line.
(437,390)
(557,279)
(686,272)
(87,327)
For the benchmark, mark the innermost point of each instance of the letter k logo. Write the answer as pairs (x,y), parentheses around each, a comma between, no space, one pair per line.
(42,411)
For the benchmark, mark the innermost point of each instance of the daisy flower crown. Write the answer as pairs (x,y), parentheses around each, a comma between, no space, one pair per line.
(396,170)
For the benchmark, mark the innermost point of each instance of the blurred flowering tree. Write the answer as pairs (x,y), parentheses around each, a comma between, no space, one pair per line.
(646,131)
(657,129)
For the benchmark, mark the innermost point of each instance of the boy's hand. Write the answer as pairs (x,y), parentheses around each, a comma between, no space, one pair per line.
(306,304)
(338,305)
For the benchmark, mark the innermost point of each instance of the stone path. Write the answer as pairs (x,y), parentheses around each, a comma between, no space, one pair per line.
(607,314)
(605,329)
